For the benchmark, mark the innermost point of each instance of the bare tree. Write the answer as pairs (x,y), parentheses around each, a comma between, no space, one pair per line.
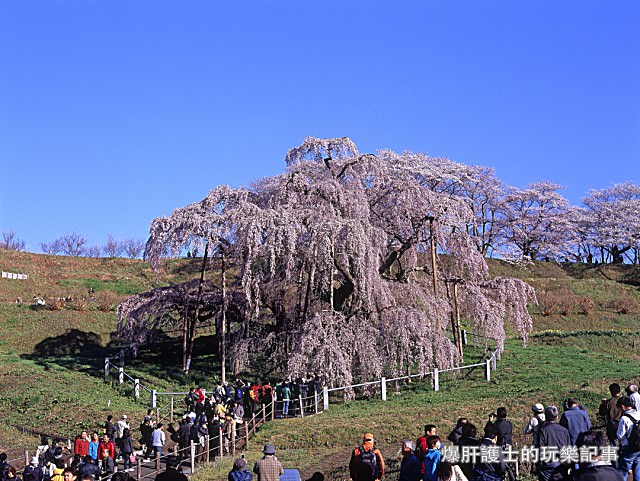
(133,248)
(73,244)
(52,248)
(113,247)
(11,242)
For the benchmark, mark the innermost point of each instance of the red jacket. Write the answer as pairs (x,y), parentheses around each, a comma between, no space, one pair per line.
(200,394)
(108,445)
(81,447)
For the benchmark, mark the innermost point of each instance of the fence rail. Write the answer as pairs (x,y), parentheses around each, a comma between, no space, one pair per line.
(223,444)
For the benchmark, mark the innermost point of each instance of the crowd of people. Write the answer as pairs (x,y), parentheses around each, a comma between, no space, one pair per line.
(216,416)
(563,446)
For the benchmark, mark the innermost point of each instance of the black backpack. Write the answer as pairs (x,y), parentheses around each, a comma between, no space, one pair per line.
(634,435)
(368,464)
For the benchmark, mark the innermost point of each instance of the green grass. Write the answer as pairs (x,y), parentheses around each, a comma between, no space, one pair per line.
(51,363)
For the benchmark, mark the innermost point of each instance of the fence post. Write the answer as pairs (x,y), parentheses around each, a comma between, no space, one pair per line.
(464,337)
(106,368)
(487,370)
(136,388)
(246,434)
(301,406)
(436,379)
(383,388)
(192,455)
(273,408)
(120,375)
(139,468)
(220,441)
(26,457)
(325,398)
(153,398)
(264,414)
(171,411)
(69,444)
(498,354)
(121,357)
(493,362)
(157,462)
(315,402)
(253,419)
(233,442)
(206,438)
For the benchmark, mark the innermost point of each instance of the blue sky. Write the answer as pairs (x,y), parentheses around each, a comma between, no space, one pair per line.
(113,113)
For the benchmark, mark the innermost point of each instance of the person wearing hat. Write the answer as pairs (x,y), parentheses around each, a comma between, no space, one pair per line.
(410,464)
(366,462)
(34,469)
(533,426)
(146,431)
(551,434)
(171,473)
(268,468)
(240,472)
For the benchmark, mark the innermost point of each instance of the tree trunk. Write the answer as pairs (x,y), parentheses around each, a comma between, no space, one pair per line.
(192,330)
(434,267)
(223,343)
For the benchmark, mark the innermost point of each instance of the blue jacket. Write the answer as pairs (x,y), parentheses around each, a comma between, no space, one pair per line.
(431,461)
(576,421)
(244,475)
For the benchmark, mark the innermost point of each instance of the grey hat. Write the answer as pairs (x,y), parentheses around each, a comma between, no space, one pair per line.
(269,449)
(240,464)
(551,413)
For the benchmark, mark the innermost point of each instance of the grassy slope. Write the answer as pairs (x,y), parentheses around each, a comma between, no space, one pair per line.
(59,391)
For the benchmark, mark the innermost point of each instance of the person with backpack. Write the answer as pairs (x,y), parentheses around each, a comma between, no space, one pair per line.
(410,463)
(610,411)
(34,469)
(367,463)
(629,437)
(432,458)
(503,427)
(537,420)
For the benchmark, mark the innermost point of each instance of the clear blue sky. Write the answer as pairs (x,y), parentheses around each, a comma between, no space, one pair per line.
(116,112)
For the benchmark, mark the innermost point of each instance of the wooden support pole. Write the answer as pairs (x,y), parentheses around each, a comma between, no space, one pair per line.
(106,368)
(383,388)
(157,462)
(301,406)
(171,411)
(436,379)
(487,370)
(192,456)
(138,468)
(233,441)
(207,446)
(246,435)
(325,398)
(315,403)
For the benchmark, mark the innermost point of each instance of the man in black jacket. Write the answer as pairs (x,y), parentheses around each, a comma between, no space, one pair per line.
(598,469)
(503,427)
(552,435)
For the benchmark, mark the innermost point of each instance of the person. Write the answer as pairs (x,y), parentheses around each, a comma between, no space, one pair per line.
(171,473)
(68,475)
(611,412)
(126,447)
(535,422)
(504,428)
(285,392)
(455,435)
(629,456)
(190,399)
(4,465)
(268,468)
(597,469)
(469,438)
(34,469)
(107,445)
(410,464)
(421,442)
(94,445)
(158,439)
(240,472)
(495,470)
(120,427)
(12,475)
(449,472)
(367,463)
(551,434)
(432,458)
(491,421)
(632,392)
(146,431)
(107,462)
(576,420)
(42,449)
(110,428)
(88,467)
(81,445)
(58,470)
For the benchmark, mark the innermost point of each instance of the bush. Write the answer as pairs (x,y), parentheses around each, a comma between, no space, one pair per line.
(623,304)
(562,301)
(107,300)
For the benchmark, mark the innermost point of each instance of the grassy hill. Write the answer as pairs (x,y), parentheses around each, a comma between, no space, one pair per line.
(51,358)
